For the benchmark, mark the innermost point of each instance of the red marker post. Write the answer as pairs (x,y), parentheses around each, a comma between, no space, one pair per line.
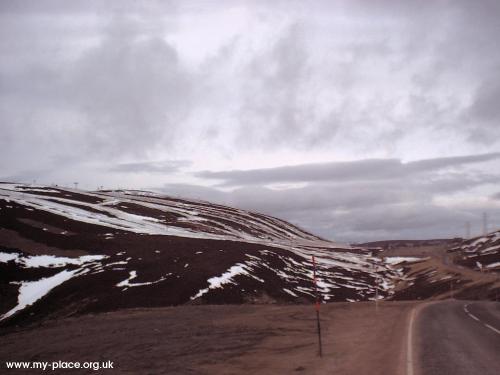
(317,305)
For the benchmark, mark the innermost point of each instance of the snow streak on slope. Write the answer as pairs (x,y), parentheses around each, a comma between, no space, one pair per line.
(32,291)
(398,260)
(50,261)
(482,253)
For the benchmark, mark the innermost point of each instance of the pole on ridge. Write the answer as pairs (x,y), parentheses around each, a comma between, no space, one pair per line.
(317,305)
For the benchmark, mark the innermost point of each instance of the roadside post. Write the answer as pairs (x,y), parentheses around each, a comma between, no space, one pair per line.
(376,287)
(317,305)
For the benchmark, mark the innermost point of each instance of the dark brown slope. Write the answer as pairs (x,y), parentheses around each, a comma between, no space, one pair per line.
(154,250)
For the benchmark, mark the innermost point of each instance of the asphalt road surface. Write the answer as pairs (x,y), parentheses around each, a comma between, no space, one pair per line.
(458,337)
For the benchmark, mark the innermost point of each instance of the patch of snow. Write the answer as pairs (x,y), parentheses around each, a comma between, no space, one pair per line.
(7,257)
(32,291)
(305,290)
(35,261)
(385,285)
(491,249)
(290,292)
(397,260)
(325,287)
(115,263)
(225,278)
(253,257)
(132,275)
(39,190)
(256,278)
(479,241)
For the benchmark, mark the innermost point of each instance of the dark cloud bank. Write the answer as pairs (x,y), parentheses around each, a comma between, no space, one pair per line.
(362,170)
(365,199)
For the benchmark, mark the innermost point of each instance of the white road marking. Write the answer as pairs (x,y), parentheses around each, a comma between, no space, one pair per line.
(409,346)
(480,321)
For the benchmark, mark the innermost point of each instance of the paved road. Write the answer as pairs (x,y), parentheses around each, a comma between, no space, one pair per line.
(458,338)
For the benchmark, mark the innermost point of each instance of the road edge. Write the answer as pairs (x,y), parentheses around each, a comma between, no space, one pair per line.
(411,367)
(409,343)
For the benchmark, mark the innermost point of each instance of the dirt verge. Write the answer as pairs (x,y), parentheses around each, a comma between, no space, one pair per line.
(246,339)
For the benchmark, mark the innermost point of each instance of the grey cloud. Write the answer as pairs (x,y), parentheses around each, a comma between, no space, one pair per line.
(483,116)
(133,91)
(26,176)
(78,6)
(413,217)
(438,163)
(370,169)
(363,210)
(364,169)
(354,194)
(195,192)
(310,84)
(287,203)
(125,96)
(286,83)
(270,112)
(416,221)
(472,29)
(165,166)
(294,94)
(321,196)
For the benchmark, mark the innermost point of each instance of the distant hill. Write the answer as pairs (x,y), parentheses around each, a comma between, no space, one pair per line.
(386,244)
(481,253)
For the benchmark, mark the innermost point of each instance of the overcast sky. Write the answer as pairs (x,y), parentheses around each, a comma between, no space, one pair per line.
(357,120)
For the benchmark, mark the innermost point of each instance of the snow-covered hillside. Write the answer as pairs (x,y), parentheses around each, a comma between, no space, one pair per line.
(481,253)
(149,213)
(65,251)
